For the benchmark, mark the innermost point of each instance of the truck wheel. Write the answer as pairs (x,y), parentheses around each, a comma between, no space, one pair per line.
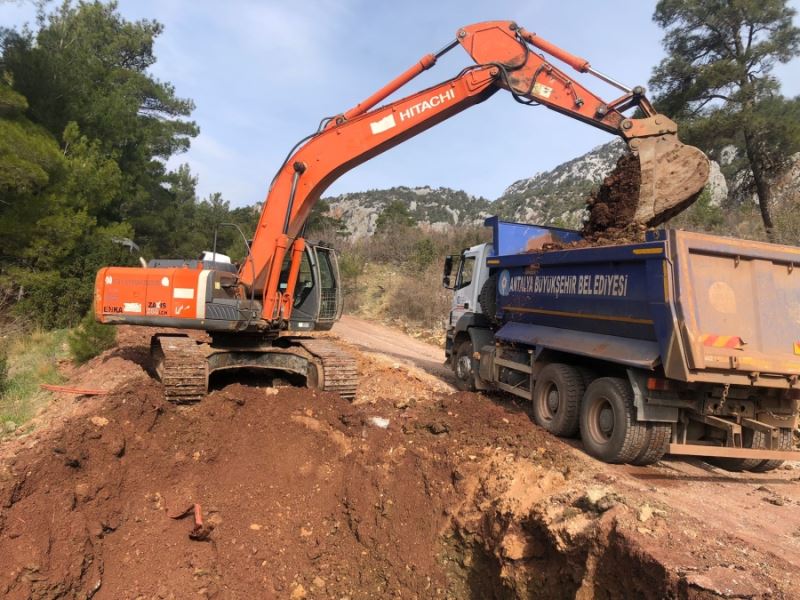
(462,367)
(785,441)
(751,439)
(557,399)
(487,298)
(588,375)
(609,429)
(656,444)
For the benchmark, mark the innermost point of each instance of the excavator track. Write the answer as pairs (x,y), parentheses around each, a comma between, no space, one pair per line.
(181,366)
(339,371)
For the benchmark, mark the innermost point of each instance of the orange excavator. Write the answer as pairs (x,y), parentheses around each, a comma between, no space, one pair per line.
(288,285)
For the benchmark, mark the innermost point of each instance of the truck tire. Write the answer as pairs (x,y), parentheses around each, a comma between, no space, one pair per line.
(609,429)
(785,441)
(462,367)
(487,298)
(588,375)
(656,444)
(557,397)
(751,439)
(734,465)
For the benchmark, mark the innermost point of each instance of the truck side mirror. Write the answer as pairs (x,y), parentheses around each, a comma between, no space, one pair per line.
(447,273)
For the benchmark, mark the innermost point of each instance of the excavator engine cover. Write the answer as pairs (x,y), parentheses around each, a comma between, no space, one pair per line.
(672,176)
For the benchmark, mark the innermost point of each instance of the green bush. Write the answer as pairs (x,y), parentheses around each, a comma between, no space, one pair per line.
(424,253)
(351,266)
(52,300)
(91,338)
(700,216)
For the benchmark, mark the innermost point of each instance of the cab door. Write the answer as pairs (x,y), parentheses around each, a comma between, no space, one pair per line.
(317,293)
(464,293)
(330,289)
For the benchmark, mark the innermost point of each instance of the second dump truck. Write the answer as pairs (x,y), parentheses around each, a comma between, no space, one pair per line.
(685,343)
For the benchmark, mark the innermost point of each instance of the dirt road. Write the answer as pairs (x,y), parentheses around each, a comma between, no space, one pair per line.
(414,491)
(368,336)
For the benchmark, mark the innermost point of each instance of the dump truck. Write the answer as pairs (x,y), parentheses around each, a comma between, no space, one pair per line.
(684,343)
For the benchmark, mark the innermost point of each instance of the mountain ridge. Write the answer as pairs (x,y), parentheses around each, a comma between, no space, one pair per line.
(553,197)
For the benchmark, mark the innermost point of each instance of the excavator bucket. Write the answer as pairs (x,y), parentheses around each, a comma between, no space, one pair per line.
(672,176)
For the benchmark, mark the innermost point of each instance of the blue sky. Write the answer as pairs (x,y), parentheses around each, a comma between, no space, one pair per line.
(263,73)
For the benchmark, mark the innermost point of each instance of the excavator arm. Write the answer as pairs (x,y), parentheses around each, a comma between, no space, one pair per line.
(672,174)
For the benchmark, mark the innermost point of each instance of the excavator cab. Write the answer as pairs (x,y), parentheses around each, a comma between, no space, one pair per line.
(317,301)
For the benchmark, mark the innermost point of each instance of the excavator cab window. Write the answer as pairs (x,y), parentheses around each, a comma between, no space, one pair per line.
(305,281)
(317,295)
(329,288)
(305,278)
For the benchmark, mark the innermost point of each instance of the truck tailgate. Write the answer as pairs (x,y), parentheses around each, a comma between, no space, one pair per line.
(739,304)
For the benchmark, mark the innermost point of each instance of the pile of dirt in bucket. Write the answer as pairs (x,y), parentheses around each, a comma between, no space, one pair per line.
(612,205)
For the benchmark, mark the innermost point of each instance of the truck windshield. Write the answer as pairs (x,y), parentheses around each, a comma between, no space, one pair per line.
(465,272)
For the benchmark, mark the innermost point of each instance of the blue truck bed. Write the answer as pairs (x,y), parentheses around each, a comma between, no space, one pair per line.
(703,307)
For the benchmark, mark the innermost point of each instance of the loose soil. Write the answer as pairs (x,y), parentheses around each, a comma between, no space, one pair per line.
(413,491)
(613,204)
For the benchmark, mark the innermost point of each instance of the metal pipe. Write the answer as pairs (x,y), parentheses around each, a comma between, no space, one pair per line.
(249,257)
(446,49)
(609,80)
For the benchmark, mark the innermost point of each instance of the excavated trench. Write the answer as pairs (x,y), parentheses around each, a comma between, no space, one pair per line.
(568,544)
(603,564)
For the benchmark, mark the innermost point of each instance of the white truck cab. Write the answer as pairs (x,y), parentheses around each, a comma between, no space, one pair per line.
(470,276)
(466,274)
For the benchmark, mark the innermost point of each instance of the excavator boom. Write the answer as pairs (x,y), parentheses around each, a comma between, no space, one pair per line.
(672,173)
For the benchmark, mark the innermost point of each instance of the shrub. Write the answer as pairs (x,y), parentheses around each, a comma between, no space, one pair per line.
(420,299)
(700,216)
(424,253)
(351,266)
(91,338)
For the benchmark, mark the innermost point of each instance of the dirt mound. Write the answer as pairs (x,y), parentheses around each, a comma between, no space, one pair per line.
(88,511)
(613,205)
(412,494)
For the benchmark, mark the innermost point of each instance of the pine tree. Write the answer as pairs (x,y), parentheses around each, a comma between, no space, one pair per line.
(717,81)
(395,215)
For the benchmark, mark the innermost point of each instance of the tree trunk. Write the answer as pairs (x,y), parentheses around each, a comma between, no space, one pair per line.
(762,186)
